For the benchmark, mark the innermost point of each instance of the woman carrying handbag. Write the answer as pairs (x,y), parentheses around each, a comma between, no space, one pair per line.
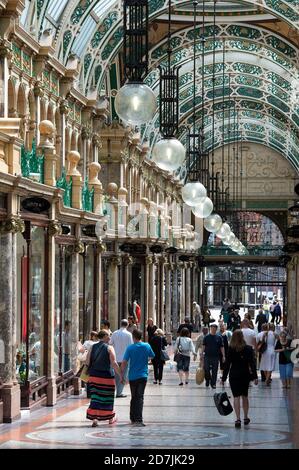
(158,344)
(182,351)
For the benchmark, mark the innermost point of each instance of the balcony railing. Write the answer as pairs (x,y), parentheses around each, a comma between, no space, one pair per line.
(259,250)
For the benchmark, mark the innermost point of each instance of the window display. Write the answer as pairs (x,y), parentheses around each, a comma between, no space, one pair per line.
(86,293)
(30,281)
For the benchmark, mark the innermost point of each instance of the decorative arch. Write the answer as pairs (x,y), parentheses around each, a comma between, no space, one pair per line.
(12,102)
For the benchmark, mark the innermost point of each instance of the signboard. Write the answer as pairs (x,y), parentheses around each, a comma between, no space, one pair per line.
(35,204)
(132,248)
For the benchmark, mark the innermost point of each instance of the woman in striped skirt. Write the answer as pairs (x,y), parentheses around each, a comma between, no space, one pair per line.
(102,364)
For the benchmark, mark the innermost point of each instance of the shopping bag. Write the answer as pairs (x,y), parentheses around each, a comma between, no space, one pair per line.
(200,375)
(222,403)
(84,374)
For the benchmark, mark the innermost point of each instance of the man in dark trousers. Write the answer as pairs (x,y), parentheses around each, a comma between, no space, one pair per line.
(187,325)
(234,321)
(138,354)
(260,320)
(212,348)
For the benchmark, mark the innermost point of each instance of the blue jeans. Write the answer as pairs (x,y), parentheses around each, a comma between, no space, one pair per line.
(120,386)
(286,371)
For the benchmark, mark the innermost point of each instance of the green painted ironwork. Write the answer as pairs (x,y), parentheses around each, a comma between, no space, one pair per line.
(87,197)
(257,250)
(62,183)
(32,165)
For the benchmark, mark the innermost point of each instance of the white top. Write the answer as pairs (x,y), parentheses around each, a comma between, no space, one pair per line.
(120,340)
(89,344)
(249,336)
(186,345)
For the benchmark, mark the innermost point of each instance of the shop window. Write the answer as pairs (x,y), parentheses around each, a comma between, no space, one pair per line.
(63,310)
(30,304)
(87,292)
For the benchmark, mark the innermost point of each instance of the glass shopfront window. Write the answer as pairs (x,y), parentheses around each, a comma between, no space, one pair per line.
(63,309)
(30,310)
(87,292)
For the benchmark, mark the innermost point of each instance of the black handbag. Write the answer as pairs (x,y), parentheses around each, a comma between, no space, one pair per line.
(222,403)
(178,355)
(262,346)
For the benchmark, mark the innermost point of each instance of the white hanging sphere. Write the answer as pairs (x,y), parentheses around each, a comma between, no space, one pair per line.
(236,245)
(213,223)
(204,208)
(224,231)
(169,154)
(192,193)
(230,239)
(135,103)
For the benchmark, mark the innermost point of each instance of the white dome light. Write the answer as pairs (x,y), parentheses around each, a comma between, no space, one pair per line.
(204,208)
(213,223)
(192,193)
(230,239)
(224,231)
(169,154)
(135,103)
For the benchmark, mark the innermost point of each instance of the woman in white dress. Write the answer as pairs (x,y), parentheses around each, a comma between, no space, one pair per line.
(267,363)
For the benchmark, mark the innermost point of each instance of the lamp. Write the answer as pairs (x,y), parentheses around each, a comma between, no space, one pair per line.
(169,154)
(224,231)
(192,193)
(135,102)
(213,223)
(203,209)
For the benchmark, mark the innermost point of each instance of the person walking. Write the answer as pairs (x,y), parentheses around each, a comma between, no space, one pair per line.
(138,354)
(105,325)
(224,314)
(248,334)
(260,320)
(267,363)
(83,352)
(212,348)
(197,316)
(206,316)
(241,369)
(277,314)
(120,340)
(151,328)
(286,366)
(184,346)
(131,324)
(271,310)
(102,367)
(234,321)
(199,340)
(158,343)
(225,338)
(187,325)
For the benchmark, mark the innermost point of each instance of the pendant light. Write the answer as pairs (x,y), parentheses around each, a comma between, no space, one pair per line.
(169,153)
(193,191)
(213,223)
(135,102)
(204,208)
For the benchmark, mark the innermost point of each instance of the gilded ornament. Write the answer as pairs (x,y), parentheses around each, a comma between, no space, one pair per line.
(54,228)
(79,247)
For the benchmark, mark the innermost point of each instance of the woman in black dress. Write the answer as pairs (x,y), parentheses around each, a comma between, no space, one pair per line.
(157,343)
(241,367)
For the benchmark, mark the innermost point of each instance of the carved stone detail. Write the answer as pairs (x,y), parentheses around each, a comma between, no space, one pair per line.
(54,228)
(12,225)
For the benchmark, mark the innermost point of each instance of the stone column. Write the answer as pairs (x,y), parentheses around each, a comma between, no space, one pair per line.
(100,249)
(151,310)
(168,296)
(75,250)
(161,291)
(182,291)
(53,229)
(175,303)
(113,294)
(293,293)
(127,262)
(63,111)
(188,311)
(10,392)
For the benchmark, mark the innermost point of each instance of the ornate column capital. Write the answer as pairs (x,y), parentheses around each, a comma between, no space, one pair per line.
(127,259)
(148,260)
(54,228)
(86,132)
(100,247)
(96,140)
(79,247)
(64,107)
(115,260)
(13,224)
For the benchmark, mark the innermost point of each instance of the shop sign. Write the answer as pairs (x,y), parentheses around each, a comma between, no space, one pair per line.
(89,230)
(132,248)
(35,204)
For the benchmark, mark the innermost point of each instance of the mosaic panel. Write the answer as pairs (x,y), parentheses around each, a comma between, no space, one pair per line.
(79,11)
(104,27)
(112,44)
(251,92)
(16,55)
(162,50)
(277,80)
(243,31)
(247,68)
(281,46)
(278,103)
(87,62)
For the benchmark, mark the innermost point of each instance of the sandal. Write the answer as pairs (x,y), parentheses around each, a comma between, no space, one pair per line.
(246,421)
(238,423)
(94,423)
(112,421)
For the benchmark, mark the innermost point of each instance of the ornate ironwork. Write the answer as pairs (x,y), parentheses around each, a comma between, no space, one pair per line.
(136,26)
(32,165)
(87,197)
(62,183)
(169,92)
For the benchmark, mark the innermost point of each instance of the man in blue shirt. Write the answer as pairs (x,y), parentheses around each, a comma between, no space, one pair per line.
(138,354)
